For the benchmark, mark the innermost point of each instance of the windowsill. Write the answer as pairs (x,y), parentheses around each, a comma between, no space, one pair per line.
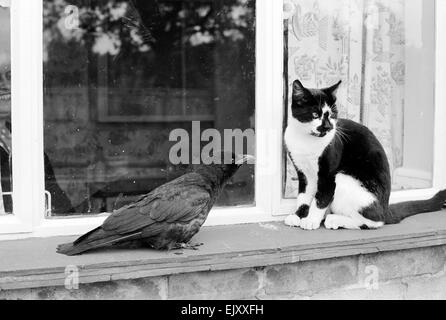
(34,263)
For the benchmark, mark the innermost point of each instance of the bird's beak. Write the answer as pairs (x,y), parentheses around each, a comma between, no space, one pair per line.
(245,159)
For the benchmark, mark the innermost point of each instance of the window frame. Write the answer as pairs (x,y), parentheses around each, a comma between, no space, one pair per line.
(24,120)
(28,219)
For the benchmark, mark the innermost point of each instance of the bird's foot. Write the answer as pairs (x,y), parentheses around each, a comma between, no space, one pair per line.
(189,246)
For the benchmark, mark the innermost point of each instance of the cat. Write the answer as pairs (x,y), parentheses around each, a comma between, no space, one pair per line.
(343,171)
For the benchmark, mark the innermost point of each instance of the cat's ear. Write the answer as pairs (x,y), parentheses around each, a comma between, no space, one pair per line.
(298,89)
(333,89)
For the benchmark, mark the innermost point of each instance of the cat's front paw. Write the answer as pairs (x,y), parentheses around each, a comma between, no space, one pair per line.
(331,222)
(292,221)
(310,223)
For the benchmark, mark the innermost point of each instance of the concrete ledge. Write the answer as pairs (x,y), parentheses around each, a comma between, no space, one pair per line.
(34,263)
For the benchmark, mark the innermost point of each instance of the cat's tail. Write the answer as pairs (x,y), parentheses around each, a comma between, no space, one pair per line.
(402,210)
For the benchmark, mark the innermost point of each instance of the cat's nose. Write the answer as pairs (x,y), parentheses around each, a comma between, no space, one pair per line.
(326,126)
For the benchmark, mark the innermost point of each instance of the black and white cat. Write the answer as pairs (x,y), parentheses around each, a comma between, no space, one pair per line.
(343,171)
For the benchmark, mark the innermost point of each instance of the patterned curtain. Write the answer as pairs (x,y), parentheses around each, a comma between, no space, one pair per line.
(361,42)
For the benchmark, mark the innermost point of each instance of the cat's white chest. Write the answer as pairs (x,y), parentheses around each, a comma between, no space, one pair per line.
(305,150)
(308,163)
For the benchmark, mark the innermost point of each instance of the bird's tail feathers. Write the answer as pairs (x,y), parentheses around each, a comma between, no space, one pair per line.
(92,241)
(93,233)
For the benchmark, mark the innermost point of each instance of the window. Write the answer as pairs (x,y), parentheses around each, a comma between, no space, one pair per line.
(384,52)
(5,109)
(121,76)
(107,81)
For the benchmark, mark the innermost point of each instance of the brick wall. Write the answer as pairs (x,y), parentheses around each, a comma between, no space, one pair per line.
(407,274)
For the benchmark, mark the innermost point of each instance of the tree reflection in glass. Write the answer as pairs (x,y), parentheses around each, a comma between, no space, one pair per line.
(121,75)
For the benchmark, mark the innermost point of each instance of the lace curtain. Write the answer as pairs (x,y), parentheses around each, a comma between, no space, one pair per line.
(361,42)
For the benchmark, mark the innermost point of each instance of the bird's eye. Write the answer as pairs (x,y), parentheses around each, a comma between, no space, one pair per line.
(315,115)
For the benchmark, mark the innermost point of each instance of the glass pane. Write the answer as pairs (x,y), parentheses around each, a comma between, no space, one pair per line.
(384,52)
(121,76)
(5,108)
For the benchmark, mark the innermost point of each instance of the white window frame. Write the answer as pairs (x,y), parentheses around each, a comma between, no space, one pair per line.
(29,219)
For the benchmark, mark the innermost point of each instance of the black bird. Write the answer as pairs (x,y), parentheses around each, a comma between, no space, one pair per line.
(167,217)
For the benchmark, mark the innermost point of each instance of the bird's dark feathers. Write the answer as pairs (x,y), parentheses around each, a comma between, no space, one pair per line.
(179,200)
(167,216)
(85,236)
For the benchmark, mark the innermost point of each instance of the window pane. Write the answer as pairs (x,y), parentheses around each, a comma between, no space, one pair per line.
(5,108)
(120,76)
(384,52)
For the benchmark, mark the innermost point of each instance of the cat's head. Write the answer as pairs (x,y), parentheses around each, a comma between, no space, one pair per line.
(315,109)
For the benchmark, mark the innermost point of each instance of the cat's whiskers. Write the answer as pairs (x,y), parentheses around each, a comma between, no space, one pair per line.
(341,135)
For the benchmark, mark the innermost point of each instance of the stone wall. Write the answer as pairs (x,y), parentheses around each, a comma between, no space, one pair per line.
(407,274)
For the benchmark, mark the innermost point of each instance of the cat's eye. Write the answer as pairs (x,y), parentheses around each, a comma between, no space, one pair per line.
(315,115)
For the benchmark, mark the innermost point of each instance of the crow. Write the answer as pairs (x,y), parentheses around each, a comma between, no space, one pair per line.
(167,217)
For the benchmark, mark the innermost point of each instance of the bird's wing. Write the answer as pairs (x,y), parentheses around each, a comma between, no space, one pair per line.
(173,202)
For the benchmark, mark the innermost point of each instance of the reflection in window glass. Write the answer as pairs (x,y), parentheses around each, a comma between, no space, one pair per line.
(119,76)
(383,51)
(5,108)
